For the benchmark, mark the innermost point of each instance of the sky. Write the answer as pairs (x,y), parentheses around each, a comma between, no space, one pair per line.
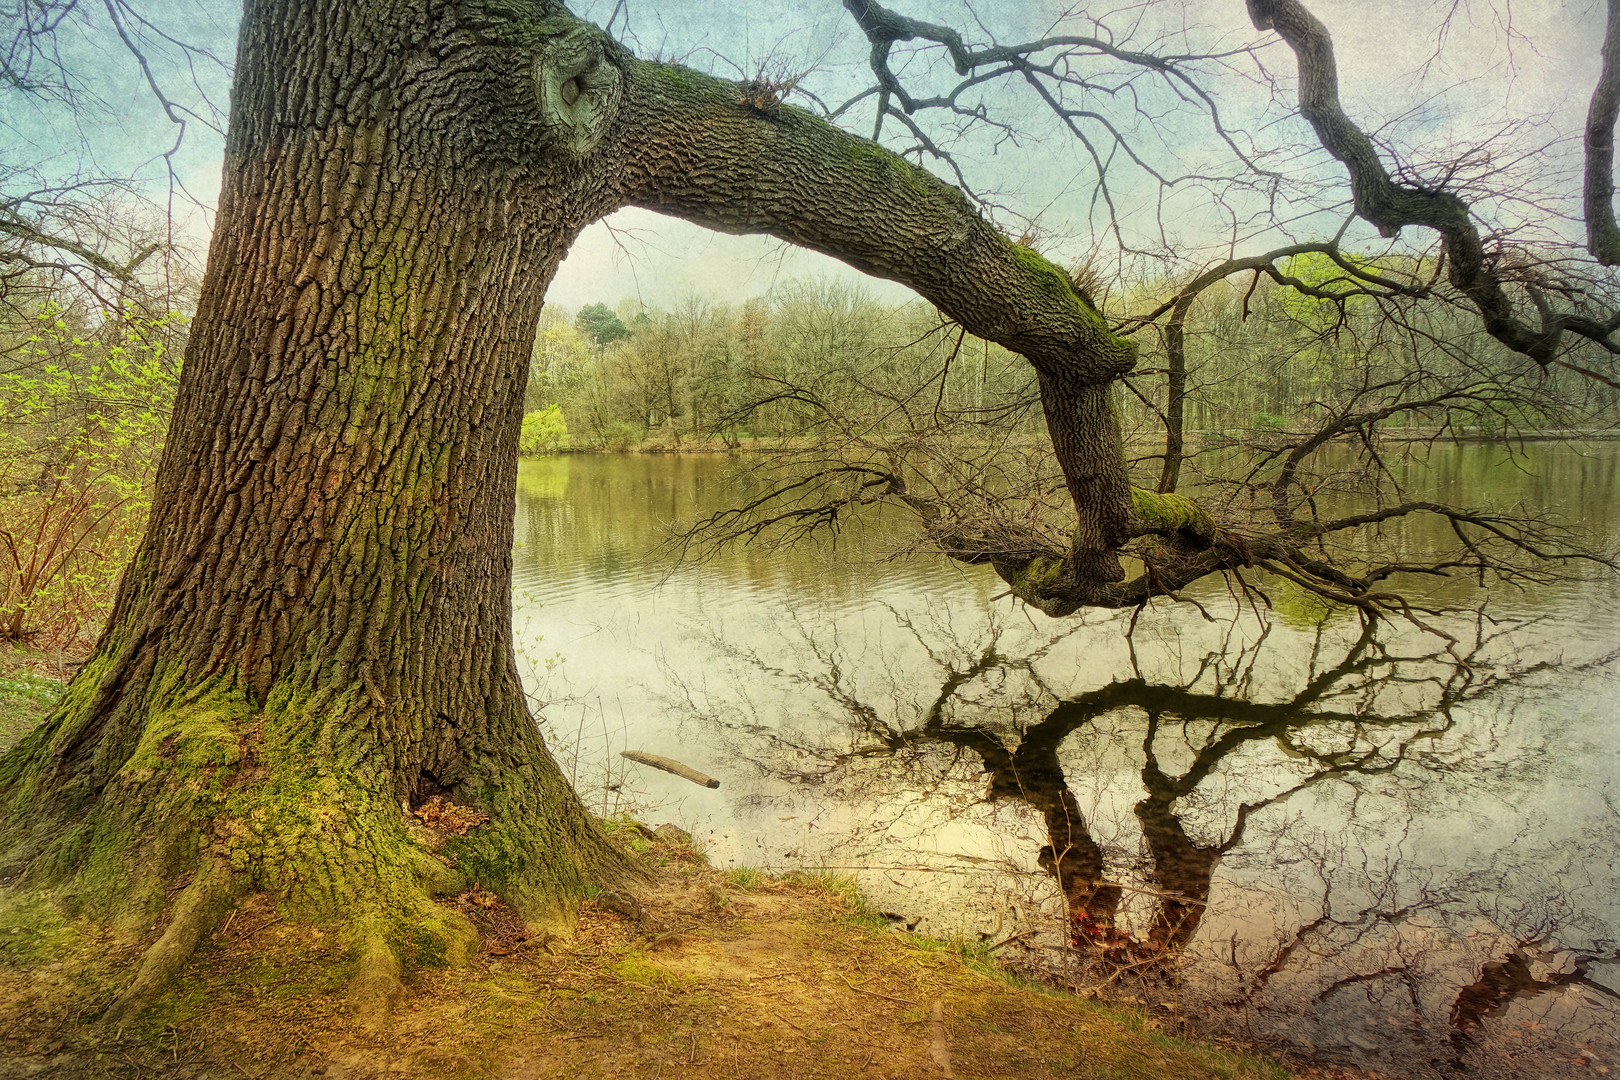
(1496,62)
(1424,87)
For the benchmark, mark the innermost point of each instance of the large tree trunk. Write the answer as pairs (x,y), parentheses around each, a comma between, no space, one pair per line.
(316,633)
(317,626)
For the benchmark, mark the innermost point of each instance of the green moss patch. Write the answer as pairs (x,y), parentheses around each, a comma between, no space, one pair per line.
(192,742)
(34,932)
(1171,513)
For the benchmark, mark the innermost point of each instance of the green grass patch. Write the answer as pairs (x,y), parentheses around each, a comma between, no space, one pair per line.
(842,887)
(636,968)
(25,700)
(627,834)
(745,877)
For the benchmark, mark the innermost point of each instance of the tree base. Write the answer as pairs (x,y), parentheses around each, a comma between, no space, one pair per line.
(296,800)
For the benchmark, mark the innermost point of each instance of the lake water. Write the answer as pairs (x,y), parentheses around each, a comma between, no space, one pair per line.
(1349,845)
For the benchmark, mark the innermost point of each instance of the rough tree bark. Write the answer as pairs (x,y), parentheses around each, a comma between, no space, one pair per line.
(315,635)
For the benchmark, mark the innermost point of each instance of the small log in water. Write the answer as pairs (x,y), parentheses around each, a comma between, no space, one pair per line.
(671,766)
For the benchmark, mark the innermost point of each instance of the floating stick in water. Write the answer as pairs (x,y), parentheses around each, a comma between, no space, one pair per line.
(671,766)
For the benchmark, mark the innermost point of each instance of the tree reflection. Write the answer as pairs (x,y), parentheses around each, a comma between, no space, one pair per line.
(1324,726)
(1226,743)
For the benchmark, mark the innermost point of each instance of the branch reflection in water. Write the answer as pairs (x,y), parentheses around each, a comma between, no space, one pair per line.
(1346,924)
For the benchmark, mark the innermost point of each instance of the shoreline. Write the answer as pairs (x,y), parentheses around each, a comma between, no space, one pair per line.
(1210,440)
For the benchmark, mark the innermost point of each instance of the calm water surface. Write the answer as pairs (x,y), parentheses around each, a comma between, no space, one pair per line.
(1346,844)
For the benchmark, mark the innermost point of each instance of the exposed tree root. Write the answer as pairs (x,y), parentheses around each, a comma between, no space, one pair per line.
(198,911)
(377,986)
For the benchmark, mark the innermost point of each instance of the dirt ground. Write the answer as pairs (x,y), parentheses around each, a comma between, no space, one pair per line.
(705,975)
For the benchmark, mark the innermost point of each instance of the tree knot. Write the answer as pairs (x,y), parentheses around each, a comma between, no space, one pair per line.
(580,86)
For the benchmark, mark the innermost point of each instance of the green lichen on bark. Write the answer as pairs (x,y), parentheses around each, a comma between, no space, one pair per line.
(1058,287)
(681,77)
(1046,274)
(195,744)
(892,166)
(317,819)
(543,870)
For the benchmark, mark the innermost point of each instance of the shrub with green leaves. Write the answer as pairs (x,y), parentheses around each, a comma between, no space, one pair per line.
(544,431)
(1270,422)
(84,407)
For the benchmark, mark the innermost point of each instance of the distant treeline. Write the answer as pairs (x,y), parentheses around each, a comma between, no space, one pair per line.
(706,374)
(86,386)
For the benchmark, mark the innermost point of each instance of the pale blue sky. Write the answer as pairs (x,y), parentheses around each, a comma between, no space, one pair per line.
(1532,63)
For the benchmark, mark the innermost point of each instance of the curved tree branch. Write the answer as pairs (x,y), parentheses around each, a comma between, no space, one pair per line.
(702,149)
(735,158)
(1390,206)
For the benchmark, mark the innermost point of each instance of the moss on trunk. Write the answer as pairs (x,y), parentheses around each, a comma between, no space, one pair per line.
(1168,512)
(315,637)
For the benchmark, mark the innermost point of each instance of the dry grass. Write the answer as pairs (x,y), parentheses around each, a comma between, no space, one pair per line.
(720,976)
